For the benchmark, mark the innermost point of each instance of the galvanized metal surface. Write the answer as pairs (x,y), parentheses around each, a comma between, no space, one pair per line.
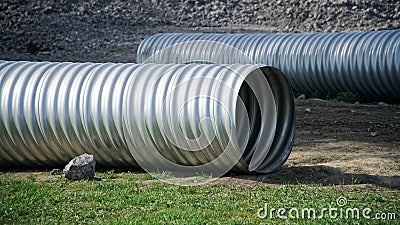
(367,63)
(185,118)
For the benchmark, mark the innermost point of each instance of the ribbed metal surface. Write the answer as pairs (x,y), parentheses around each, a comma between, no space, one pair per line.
(367,63)
(196,118)
(52,112)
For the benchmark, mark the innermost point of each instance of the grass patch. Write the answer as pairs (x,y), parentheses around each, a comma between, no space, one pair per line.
(348,97)
(133,198)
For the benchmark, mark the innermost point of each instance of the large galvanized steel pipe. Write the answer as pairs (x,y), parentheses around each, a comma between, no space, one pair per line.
(182,118)
(367,63)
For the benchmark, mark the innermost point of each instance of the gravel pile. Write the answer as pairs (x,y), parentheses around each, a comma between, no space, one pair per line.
(291,15)
(105,30)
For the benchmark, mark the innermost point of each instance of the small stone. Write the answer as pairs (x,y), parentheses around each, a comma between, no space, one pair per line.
(260,18)
(80,167)
(307,111)
(374,134)
(316,133)
(356,103)
(383,104)
(302,96)
(6,37)
(56,172)
(81,9)
(318,99)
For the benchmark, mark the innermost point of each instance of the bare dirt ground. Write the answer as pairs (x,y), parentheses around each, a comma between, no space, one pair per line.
(336,144)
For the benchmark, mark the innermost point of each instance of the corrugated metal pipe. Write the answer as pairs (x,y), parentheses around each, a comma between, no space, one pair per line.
(186,119)
(367,63)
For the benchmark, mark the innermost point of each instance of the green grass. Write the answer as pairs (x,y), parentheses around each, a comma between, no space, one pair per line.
(136,198)
(348,97)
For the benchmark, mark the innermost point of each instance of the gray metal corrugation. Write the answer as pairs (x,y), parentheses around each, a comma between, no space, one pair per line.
(367,63)
(52,112)
(130,115)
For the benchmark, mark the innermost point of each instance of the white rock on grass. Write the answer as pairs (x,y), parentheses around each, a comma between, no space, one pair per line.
(56,172)
(383,104)
(80,168)
(307,111)
(302,96)
(374,134)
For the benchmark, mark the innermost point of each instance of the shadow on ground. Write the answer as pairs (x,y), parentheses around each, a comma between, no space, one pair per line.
(295,175)
(321,175)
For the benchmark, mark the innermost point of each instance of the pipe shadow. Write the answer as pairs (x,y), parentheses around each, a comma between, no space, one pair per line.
(295,175)
(321,175)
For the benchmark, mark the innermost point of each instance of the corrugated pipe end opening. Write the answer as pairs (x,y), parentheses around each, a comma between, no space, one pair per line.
(268,99)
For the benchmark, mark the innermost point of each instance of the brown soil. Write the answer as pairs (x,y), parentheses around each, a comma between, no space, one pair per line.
(335,144)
